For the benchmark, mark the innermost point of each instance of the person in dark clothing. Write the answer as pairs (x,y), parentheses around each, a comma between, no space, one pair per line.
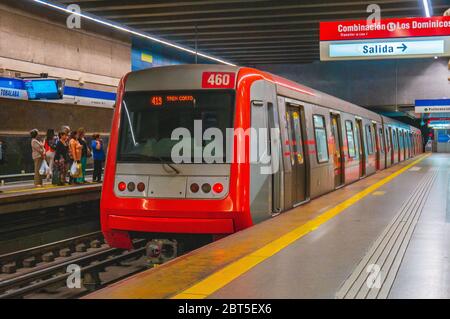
(2,154)
(85,152)
(61,159)
(99,157)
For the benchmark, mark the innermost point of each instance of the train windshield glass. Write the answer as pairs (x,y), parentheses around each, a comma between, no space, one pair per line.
(173,126)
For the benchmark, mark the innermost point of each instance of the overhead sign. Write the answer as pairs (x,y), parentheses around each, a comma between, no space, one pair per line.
(432,106)
(391,38)
(370,49)
(44,89)
(13,88)
(387,28)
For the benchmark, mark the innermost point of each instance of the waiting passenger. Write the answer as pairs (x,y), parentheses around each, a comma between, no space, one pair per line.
(38,155)
(85,153)
(66,129)
(61,160)
(2,153)
(49,146)
(99,157)
(75,149)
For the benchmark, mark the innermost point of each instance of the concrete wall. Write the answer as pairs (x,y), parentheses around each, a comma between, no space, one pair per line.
(32,44)
(373,83)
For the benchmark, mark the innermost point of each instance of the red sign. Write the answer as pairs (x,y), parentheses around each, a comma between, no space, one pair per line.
(218,80)
(387,28)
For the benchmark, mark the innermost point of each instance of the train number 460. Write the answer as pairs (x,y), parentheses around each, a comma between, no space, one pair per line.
(218,80)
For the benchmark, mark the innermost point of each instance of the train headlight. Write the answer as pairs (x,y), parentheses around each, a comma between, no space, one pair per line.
(141,187)
(131,186)
(194,187)
(206,188)
(122,186)
(217,188)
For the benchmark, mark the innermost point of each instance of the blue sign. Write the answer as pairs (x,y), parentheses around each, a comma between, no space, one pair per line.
(387,48)
(432,106)
(12,89)
(47,89)
(443,136)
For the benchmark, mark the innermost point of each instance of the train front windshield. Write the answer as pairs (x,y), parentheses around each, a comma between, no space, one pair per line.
(151,123)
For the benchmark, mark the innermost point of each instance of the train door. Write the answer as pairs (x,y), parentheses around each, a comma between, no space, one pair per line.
(362,149)
(381,149)
(265,152)
(377,147)
(387,138)
(400,145)
(295,124)
(338,157)
(403,144)
(409,145)
(395,151)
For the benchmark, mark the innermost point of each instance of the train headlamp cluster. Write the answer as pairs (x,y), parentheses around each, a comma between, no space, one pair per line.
(131,186)
(206,188)
(171,187)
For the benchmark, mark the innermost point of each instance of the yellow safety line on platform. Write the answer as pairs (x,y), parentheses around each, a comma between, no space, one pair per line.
(221,278)
(42,188)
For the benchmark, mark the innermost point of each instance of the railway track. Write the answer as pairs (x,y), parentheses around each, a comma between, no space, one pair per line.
(43,270)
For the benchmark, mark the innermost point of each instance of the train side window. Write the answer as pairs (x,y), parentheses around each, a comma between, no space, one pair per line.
(400,140)
(320,133)
(369,139)
(350,138)
(381,141)
(394,139)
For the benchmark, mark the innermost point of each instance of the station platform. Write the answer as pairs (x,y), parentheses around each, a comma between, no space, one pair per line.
(385,236)
(23,196)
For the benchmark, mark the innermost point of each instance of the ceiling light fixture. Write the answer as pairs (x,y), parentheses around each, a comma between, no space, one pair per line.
(427,8)
(134,32)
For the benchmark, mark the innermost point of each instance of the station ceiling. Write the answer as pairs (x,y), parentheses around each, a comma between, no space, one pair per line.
(246,31)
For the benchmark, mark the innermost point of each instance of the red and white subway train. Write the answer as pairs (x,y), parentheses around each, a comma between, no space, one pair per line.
(313,144)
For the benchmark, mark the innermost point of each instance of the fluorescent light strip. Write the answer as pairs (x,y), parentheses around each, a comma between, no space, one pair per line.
(140,34)
(426,6)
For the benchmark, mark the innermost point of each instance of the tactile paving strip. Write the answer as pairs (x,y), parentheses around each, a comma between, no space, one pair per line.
(375,274)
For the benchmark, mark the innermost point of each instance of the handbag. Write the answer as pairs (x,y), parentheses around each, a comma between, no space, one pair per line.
(79,170)
(74,170)
(44,169)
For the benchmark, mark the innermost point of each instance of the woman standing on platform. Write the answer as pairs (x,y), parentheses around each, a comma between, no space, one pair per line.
(61,159)
(49,146)
(75,149)
(84,154)
(99,157)
(38,155)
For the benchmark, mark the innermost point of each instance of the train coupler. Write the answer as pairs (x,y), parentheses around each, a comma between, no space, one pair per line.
(159,251)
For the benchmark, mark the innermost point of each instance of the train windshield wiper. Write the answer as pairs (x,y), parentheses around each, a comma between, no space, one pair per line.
(138,156)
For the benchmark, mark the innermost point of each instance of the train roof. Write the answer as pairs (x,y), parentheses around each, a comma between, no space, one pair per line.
(180,77)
